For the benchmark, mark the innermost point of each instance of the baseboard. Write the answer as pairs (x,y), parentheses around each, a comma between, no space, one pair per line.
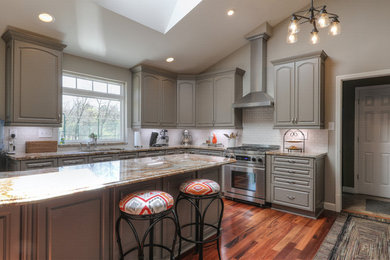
(330,206)
(349,189)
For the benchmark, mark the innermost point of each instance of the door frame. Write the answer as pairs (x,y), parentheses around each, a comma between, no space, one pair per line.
(339,119)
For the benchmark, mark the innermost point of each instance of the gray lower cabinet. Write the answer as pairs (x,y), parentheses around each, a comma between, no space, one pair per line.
(206,152)
(154,98)
(299,91)
(215,95)
(37,164)
(297,184)
(10,231)
(73,227)
(33,78)
(186,103)
(151,153)
(72,161)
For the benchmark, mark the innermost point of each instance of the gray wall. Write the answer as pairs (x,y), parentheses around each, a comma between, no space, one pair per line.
(362,46)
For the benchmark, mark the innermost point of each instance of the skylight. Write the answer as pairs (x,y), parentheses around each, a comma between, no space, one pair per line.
(161,15)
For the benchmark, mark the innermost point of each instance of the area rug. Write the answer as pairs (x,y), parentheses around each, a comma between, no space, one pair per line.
(378,206)
(356,237)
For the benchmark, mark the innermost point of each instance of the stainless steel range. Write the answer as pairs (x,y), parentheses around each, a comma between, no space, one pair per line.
(245,179)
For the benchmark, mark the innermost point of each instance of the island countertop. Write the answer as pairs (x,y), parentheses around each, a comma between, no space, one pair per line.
(38,185)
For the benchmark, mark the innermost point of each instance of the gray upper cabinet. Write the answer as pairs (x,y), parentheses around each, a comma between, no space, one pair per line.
(204,102)
(154,98)
(33,79)
(299,91)
(168,96)
(186,103)
(215,95)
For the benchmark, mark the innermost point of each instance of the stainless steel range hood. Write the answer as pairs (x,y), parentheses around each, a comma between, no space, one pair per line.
(258,96)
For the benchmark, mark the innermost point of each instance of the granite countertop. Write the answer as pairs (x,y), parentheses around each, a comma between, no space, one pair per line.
(75,153)
(297,154)
(37,185)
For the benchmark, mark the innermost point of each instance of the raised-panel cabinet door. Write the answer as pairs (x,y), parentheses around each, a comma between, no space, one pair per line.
(186,103)
(73,227)
(307,87)
(223,100)
(168,109)
(10,239)
(204,103)
(37,84)
(151,100)
(284,94)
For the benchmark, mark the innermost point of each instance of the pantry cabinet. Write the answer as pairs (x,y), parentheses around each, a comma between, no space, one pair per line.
(215,95)
(33,79)
(154,98)
(299,91)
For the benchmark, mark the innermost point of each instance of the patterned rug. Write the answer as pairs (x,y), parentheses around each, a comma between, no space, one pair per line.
(356,237)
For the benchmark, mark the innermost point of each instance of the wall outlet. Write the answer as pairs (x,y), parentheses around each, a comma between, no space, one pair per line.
(45,132)
(331,126)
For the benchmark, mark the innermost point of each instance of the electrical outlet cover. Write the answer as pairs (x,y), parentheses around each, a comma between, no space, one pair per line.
(45,132)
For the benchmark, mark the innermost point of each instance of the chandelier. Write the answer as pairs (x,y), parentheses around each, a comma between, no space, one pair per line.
(318,17)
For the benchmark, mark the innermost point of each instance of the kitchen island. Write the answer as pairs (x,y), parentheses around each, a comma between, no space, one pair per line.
(70,212)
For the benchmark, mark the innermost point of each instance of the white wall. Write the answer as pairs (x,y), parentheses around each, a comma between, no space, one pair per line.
(362,46)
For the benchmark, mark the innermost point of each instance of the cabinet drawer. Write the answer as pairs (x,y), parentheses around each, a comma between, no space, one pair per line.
(292,198)
(72,161)
(305,173)
(151,153)
(210,152)
(293,161)
(172,152)
(293,183)
(38,164)
(100,158)
(127,156)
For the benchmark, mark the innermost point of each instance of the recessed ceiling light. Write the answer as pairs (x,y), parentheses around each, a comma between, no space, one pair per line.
(230,12)
(170,59)
(45,17)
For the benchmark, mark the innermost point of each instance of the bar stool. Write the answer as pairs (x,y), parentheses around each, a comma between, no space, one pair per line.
(146,205)
(195,191)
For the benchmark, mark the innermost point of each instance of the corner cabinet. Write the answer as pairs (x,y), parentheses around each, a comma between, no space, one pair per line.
(33,79)
(154,98)
(299,91)
(215,95)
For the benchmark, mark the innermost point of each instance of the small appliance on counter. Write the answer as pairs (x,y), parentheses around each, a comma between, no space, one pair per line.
(11,144)
(163,139)
(137,139)
(187,138)
(153,139)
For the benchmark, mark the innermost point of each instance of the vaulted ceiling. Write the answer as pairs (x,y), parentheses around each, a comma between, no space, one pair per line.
(200,39)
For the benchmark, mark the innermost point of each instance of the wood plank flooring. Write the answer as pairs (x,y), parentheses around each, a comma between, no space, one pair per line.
(250,232)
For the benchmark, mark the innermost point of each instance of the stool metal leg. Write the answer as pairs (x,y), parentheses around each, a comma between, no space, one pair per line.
(118,238)
(151,240)
(197,220)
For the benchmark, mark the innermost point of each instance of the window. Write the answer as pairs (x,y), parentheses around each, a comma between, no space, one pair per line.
(91,105)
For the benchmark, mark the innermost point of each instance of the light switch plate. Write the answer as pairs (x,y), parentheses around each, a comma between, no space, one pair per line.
(331,126)
(45,132)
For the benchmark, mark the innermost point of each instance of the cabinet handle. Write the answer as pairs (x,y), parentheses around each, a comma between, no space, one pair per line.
(290,171)
(291,161)
(67,162)
(291,197)
(291,182)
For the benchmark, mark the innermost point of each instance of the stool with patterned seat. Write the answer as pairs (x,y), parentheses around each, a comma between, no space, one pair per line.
(195,191)
(146,205)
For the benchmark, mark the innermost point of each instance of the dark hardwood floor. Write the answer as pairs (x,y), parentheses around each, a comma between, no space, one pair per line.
(250,232)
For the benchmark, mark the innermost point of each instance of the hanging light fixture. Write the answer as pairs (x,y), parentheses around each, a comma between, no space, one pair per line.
(317,17)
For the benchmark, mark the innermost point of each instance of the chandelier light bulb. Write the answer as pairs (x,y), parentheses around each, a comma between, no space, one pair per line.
(323,19)
(292,38)
(335,28)
(293,26)
(314,37)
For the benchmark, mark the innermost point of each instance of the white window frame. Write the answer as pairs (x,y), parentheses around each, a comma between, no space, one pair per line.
(95,94)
